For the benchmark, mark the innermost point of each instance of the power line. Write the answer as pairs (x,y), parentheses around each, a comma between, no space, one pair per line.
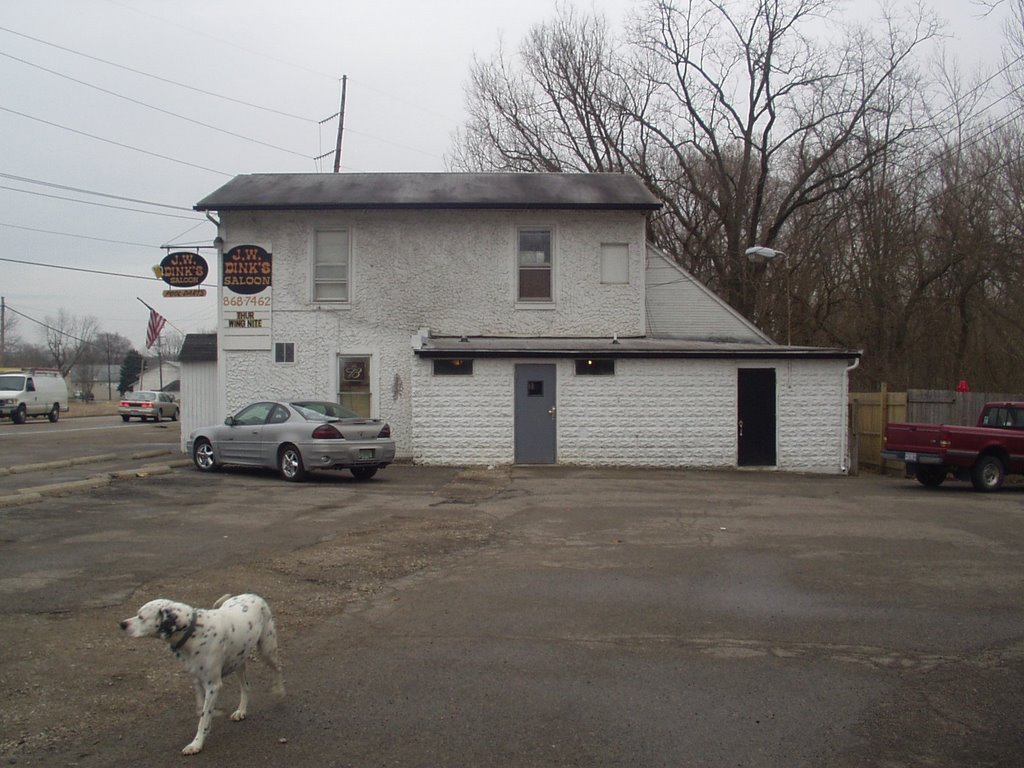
(115,143)
(65,268)
(157,77)
(100,205)
(69,234)
(155,108)
(53,185)
(222,41)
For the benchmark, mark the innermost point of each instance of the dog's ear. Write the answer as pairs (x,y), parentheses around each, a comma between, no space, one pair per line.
(168,622)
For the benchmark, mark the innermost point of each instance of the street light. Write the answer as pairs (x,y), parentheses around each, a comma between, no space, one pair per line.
(760,254)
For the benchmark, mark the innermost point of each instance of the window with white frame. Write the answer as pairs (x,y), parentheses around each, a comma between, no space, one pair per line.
(614,263)
(331,267)
(535,272)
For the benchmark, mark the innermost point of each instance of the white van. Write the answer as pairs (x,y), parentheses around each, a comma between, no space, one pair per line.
(32,392)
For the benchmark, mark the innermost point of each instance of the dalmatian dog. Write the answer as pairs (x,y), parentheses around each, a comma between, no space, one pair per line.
(212,644)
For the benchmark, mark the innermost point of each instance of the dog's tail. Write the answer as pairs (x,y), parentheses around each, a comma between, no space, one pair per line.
(220,601)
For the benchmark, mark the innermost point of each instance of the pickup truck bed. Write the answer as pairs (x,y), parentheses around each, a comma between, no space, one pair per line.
(983,454)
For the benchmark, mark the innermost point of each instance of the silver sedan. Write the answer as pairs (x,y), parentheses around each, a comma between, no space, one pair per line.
(295,437)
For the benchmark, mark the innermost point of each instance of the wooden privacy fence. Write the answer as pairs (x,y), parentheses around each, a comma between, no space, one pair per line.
(871,411)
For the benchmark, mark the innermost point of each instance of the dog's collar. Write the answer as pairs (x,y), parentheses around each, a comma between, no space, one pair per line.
(189,631)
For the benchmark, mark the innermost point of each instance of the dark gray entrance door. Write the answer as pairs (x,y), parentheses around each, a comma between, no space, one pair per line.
(756,417)
(535,414)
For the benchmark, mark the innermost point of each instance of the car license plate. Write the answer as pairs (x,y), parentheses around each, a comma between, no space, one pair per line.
(910,456)
(366,453)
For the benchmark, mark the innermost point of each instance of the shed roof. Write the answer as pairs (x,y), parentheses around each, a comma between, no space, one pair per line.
(199,348)
(431,191)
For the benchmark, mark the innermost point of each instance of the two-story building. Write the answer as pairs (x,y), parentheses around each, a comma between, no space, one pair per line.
(506,318)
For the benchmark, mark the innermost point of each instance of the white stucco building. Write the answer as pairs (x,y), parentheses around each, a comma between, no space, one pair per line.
(506,318)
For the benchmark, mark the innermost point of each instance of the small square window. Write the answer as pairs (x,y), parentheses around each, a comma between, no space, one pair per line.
(614,263)
(595,367)
(284,352)
(455,367)
(535,388)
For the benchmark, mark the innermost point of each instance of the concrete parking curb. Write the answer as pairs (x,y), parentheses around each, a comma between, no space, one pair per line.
(74,462)
(38,492)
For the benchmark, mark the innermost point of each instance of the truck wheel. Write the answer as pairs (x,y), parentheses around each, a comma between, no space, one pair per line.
(988,473)
(18,415)
(930,476)
(54,413)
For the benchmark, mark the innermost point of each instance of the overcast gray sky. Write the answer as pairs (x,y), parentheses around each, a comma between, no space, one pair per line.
(80,108)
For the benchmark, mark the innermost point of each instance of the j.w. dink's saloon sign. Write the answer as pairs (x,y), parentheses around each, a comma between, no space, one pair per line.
(183,272)
(247,297)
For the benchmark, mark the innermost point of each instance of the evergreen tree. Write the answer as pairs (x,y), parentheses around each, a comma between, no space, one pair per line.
(130,370)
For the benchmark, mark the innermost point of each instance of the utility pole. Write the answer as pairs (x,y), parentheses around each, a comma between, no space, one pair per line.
(341,124)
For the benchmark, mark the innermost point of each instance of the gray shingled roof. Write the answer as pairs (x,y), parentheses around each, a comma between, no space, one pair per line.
(635,347)
(199,348)
(325,191)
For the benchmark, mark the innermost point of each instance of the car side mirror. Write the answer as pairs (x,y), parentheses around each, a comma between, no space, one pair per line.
(230,421)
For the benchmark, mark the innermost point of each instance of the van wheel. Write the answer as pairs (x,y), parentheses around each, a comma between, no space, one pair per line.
(987,474)
(18,415)
(54,413)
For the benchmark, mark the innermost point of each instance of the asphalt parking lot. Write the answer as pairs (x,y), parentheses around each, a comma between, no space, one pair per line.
(528,617)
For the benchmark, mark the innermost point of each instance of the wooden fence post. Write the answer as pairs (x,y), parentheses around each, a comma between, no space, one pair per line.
(884,402)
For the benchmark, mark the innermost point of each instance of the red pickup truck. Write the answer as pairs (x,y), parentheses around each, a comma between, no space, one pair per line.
(984,454)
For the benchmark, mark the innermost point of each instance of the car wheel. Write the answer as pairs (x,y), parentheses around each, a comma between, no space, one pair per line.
(125,418)
(18,415)
(988,473)
(158,416)
(289,461)
(54,413)
(202,455)
(930,476)
(363,473)
(174,415)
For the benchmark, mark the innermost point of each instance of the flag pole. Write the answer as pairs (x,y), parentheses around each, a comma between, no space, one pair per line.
(165,319)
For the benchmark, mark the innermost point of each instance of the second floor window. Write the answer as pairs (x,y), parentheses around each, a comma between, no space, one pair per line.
(331,267)
(535,283)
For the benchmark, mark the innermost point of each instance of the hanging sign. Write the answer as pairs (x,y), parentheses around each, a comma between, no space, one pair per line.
(183,269)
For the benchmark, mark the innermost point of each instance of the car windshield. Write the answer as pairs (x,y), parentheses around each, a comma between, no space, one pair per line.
(140,397)
(12,383)
(321,411)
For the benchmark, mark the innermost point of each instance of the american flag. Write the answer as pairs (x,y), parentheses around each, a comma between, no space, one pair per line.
(156,324)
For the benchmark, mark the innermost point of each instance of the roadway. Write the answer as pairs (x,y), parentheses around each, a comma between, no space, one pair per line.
(39,454)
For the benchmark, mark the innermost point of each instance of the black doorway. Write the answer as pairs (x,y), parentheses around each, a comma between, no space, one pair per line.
(756,417)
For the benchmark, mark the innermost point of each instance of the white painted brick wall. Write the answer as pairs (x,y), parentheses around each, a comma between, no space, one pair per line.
(650,413)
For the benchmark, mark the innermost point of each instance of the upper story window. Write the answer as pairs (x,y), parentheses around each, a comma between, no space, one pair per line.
(614,263)
(331,266)
(535,265)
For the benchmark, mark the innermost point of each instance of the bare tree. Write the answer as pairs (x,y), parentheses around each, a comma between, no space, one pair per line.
(732,113)
(68,338)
